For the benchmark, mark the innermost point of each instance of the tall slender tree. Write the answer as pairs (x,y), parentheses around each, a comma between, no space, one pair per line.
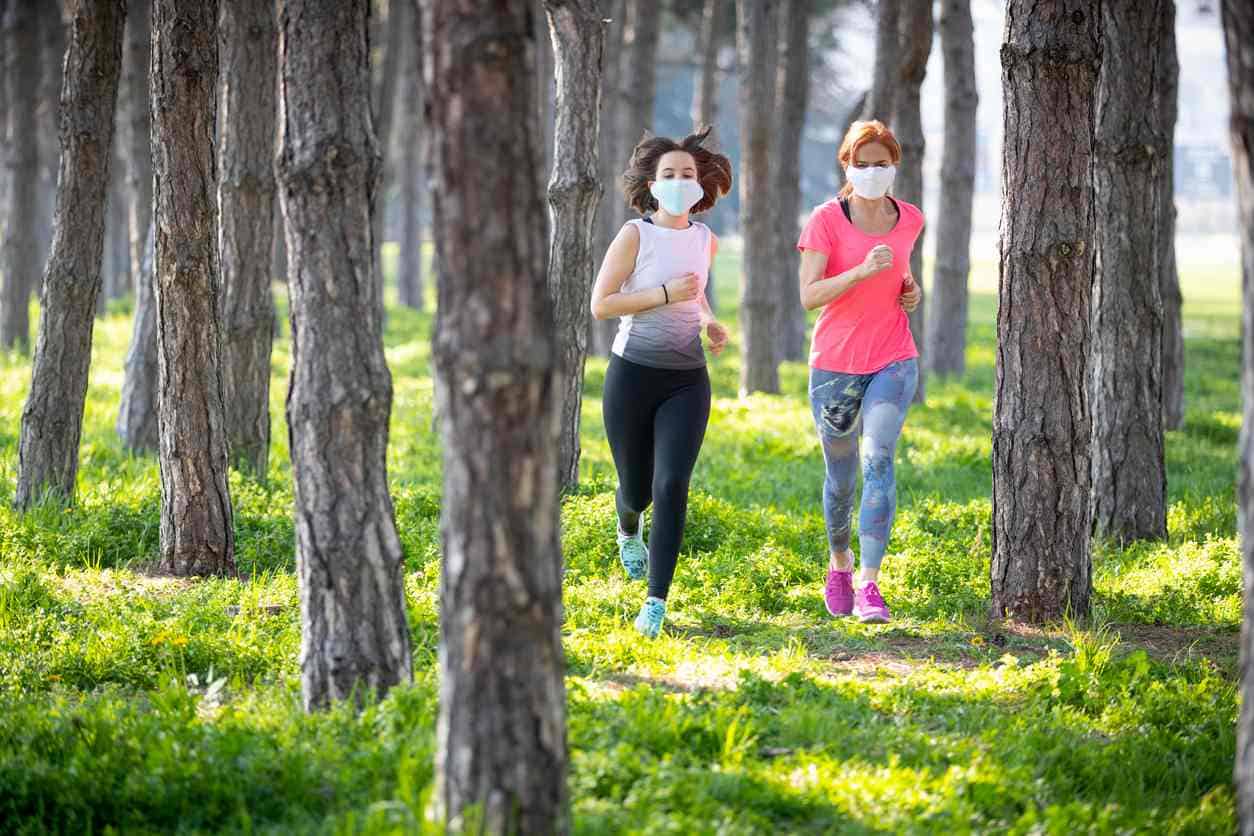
(413,176)
(1167,108)
(247,68)
(20,252)
(133,127)
(393,29)
(354,636)
(137,411)
(117,275)
(705,96)
(502,694)
(792,100)
(47,125)
(1041,567)
(53,417)
(546,91)
(881,98)
(947,309)
(5,168)
(609,156)
(197,531)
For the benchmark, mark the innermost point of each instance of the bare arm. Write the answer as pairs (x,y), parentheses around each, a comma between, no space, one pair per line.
(817,291)
(609,300)
(707,312)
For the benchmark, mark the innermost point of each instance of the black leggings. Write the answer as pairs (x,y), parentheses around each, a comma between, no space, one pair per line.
(655,420)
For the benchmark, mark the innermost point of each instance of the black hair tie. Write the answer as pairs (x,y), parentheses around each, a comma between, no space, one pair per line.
(666,295)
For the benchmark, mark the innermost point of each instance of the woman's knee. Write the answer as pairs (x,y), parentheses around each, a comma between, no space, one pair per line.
(670,489)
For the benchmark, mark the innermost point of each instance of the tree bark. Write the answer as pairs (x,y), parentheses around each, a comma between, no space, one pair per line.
(21,254)
(197,532)
(137,415)
(5,144)
(53,417)
(133,132)
(611,159)
(881,99)
(354,635)
(574,191)
(1129,486)
(546,91)
(759,291)
(1238,25)
(384,92)
(1168,82)
(705,96)
(915,21)
(947,309)
(502,694)
(247,69)
(409,283)
(117,279)
(792,99)
(52,39)
(1041,566)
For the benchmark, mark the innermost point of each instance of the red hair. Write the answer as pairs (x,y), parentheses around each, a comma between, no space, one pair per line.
(864,133)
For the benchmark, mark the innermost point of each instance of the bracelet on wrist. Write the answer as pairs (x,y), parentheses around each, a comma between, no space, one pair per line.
(666,295)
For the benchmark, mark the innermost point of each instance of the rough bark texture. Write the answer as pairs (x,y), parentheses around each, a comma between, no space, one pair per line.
(612,158)
(354,636)
(137,415)
(759,290)
(947,307)
(197,532)
(53,417)
(792,99)
(501,734)
(1238,25)
(916,45)
(1168,83)
(881,99)
(546,90)
(133,130)
(248,64)
(1129,487)
(1050,58)
(705,97)
(48,125)
(21,254)
(409,283)
(578,38)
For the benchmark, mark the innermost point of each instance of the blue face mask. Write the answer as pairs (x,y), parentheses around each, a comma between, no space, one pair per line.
(677,196)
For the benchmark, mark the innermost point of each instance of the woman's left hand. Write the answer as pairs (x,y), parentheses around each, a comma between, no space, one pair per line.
(718,336)
(911,294)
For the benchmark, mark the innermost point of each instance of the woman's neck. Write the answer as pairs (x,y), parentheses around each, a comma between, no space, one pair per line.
(871,205)
(663,218)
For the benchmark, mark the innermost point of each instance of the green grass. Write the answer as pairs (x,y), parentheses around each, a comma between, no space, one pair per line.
(134,703)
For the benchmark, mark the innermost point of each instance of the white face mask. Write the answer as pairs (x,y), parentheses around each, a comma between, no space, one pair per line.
(872,182)
(677,196)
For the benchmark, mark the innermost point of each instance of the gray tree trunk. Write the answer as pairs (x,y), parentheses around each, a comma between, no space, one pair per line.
(53,417)
(5,145)
(502,693)
(409,283)
(578,41)
(1041,567)
(705,96)
(117,235)
(354,634)
(546,91)
(916,45)
(612,158)
(52,39)
(792,99)
(1168,82)
(1238,25)
(137,414)
(21,254)
(947,308)
(881,99)
(759,290)
(247,69)
(197,530)
(384,93)
(1129,486)
(133,131)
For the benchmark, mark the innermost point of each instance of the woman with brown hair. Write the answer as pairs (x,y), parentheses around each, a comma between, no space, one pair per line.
(657,390)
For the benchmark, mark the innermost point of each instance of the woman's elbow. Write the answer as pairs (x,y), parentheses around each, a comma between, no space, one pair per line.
(598,310)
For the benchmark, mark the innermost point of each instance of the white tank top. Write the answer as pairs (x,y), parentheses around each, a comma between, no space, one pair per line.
(668,337)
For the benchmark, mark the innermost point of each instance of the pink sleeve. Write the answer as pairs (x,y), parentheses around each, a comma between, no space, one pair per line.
(817,234)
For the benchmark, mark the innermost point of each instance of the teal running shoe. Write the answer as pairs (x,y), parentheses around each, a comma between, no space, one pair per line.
(649,622)
(633,554)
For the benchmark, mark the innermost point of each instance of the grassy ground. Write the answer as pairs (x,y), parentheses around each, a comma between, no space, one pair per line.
(144,703)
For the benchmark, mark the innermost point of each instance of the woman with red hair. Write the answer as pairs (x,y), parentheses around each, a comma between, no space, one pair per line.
(855,265)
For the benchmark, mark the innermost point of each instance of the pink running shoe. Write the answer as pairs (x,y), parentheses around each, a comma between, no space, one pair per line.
(869,606)
(838,593)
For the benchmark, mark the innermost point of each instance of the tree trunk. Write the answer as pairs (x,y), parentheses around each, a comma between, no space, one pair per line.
(21,254)
(792,98)
(354,635)
(117,235)
(611,159)
(53,417)
(409,282)
(384,92)
(574,191)
(248,64)
(705,96)
(947,318)
(916,46)
(546,92)
(1041,567)
(1238,25)
(52,38)
(5,144)
(1168,81)
(137,415)
(759,291)
(197,532)
(881,100)
(502,693)
(1129,486)
(133,130)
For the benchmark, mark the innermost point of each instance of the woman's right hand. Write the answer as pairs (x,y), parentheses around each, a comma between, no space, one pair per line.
(880,258)
(684,289)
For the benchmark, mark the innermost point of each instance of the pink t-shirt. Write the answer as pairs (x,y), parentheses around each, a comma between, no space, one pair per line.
(865,328)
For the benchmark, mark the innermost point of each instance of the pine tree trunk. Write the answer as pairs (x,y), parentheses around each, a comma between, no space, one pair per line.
(759,290)
(53,417)
(546,91)
(705,97)
(248,65)
(52,38)
(21,254)
(574,191)
(137,414)
(611,159)
(197,533)
(792,98)
(5,145)
(502,693)
(409,282)
(947,308)
(384,92)
(354,635)
(1168,82)
(916,46)
(1041,567)
(1129,486)
(133,132)
(118,237)
(882,98)
(1238,25)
